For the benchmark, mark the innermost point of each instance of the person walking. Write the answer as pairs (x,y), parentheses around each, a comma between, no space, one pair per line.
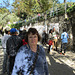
(3,41)
(31,59)
(44,37)
(64,39)
(12,46)
(50,41)
(55,38)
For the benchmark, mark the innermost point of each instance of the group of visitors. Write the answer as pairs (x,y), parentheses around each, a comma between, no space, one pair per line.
(24,55)
(53,39)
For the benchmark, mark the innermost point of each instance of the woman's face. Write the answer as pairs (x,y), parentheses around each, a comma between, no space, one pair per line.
(32,39)
(51,31)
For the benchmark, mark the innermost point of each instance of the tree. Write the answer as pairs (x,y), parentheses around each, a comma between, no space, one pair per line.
(3,10)
(24,8)
(3,13)
(45,5)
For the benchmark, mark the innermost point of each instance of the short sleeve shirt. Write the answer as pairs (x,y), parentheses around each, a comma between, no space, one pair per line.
(64,37)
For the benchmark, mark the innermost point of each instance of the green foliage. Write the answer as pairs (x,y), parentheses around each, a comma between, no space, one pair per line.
(3,10)
(5,18)
(22,15)
(71,9)
(70,6)
(23,6)
(17,25)
(31,7)
(45,5)
(60,11)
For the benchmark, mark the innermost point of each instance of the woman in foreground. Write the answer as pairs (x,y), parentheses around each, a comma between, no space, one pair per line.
(31,59)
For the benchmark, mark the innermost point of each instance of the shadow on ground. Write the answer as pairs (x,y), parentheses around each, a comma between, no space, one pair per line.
(56,68)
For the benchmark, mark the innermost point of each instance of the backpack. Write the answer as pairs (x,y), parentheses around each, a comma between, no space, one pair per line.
(13,52)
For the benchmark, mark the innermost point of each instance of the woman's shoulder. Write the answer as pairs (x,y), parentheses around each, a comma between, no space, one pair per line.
(41,51)
(22,49)
(41,48)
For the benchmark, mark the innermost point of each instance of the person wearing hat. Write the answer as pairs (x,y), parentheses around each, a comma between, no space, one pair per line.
(3,41)
(12,46)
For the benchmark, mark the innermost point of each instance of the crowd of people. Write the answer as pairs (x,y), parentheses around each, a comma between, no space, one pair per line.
(22,53)
(52,40)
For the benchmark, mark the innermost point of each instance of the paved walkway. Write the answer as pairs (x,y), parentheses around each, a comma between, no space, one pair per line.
(1,59)
(57,64)
(60,64)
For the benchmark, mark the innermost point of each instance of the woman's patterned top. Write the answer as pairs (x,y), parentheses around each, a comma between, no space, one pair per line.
(24,61)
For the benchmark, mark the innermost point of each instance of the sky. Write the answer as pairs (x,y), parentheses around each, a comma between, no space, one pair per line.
(61,1)
(11,1)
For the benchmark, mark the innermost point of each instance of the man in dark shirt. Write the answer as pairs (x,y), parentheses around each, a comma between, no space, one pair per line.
(44,38)
(12,46)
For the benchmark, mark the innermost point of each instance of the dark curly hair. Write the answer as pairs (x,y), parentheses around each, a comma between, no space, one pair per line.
(33,31)
(64,30)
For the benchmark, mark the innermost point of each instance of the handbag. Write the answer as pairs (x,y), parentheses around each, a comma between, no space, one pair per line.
(34,62)
(50,42)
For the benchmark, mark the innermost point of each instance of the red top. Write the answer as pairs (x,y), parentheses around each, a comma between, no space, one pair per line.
(24,43)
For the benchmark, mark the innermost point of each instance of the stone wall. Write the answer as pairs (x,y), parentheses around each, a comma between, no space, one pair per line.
(72,21)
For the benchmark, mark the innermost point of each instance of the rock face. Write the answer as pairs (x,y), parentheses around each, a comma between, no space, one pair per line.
(72,21)
(68,23)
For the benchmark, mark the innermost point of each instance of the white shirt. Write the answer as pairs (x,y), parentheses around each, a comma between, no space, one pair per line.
(4,40)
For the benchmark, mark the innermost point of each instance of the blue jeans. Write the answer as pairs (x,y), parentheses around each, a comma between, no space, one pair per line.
(63,47)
